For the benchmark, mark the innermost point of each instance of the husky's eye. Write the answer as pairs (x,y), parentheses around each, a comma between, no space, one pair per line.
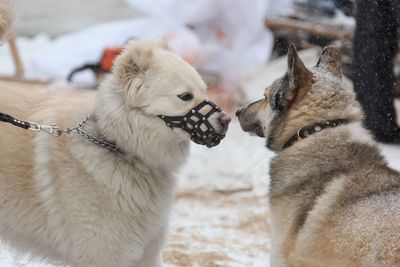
(186,96)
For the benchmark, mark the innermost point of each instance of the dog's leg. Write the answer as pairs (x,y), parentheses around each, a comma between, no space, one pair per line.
(276,257)
(155,261)
(152,256)
(98,250)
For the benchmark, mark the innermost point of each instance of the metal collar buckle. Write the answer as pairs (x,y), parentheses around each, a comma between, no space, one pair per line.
(51,129)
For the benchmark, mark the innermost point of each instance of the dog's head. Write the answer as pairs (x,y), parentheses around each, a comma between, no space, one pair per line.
(157,84)
(301,97)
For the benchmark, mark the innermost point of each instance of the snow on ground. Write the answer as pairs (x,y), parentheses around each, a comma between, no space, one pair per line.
(220,217)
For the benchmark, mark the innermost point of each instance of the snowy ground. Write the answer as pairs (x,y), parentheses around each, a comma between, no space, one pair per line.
(220,217)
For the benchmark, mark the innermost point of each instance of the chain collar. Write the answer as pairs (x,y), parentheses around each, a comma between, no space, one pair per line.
(79,130)
(57,131)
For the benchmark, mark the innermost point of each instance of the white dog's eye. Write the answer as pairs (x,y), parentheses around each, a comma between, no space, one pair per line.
(186,96)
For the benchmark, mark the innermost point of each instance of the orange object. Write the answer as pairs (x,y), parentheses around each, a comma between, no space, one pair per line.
(108,57)
(99,68)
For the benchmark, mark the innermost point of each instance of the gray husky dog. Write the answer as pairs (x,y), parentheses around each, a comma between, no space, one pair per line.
(333,199)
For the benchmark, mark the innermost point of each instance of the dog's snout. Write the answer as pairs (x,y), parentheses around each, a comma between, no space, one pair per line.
(238,112)
(224,119)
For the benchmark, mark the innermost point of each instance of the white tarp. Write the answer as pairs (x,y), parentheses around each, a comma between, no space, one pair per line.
(232,34)
(86,46)
(225,36)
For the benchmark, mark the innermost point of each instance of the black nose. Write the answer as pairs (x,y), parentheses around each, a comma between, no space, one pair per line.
(224,120)
(238,112)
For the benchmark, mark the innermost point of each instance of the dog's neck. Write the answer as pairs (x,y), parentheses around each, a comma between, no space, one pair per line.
(325,152)
(308,130)
(139,136)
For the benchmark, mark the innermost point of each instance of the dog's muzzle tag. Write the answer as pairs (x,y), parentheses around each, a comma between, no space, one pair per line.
(197,124)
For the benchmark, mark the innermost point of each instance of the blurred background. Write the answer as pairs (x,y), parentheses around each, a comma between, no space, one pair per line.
(239,47)
(225,40)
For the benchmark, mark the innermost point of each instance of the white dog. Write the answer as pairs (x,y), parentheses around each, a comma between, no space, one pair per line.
(73,201)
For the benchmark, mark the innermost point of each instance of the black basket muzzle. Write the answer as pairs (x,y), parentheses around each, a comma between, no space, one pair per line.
(197,124)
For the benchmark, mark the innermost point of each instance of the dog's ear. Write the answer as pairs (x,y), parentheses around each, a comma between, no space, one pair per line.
(331,60)
(131,65)
(297,72)
(135,59)
(294,83)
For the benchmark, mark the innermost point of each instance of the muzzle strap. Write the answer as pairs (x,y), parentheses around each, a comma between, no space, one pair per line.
(197,124)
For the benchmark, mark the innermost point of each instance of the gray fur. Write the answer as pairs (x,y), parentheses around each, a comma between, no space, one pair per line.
(334,201)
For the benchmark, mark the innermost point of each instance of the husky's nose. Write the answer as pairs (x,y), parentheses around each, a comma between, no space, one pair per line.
(238,112)
(224,119)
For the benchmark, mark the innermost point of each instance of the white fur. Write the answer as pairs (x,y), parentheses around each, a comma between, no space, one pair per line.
(265,117)
(93,207)
(358,133)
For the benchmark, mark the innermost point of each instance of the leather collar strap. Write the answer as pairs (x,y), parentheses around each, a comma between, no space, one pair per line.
(14,121)
(307,131)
